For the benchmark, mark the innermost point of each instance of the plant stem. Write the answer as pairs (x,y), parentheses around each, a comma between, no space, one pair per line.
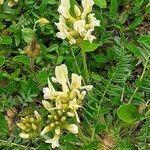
(103,96)
(86,72)
(18,145)
(76,63)
(141,78)
(33,72)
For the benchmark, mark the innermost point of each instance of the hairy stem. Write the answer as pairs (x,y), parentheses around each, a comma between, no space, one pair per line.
(86,72)
(14,144)
(76,63)
(141,78)
(33,72)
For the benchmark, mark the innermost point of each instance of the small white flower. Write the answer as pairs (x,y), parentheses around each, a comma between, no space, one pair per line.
(54,141)
(88,35)
(61,35)
(72,41)
(79,27)
(72,128)
(87,6)
(87,87)
(64,8)
(93,21)
(24,135)
(47,93)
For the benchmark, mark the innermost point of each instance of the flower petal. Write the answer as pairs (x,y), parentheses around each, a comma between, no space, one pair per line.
(77,11)
(24,135)
(76,81)
(38,116)
(72,128)
(61,73)
(47,93)
(47,105)
(54,141)
(46,129)
(87,6)
(87,87)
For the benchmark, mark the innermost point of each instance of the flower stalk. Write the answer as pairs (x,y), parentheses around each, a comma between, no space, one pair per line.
(86,72)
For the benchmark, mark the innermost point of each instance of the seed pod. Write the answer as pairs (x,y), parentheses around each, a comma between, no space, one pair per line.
(33,49)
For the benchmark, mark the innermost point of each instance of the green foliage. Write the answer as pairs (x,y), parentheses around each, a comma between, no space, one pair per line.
(118,63)
(127,113)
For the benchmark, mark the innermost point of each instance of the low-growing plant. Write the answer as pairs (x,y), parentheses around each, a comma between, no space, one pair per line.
(103,104)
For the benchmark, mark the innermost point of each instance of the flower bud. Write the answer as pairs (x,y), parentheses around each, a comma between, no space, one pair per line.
(72,128)
(24,135)
(42,21)
(38,116)
(46,129)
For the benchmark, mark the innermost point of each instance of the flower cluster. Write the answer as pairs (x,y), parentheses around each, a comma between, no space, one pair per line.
(61,106)
(78,27)
(31,126)
(11,3)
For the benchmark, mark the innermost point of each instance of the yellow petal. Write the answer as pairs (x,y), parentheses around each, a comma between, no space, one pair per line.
(38,116)
(77,10)
(21,126)
(76,81)
(42,21)
(46,129)
(61,73)
(24,135)
(72,128)
(47,105)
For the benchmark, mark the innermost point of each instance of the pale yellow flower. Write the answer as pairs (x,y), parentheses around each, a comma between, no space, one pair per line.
(72,128)
(87,7)
(54,141)
(24,135)
(30,126)
(81,26)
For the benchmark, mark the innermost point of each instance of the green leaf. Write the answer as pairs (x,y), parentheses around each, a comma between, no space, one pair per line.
(100,58)
(2,60)
(5,40)
(127,113)
(136,22)
(89,47)
(3,124)
(101,3)
(113,8)
(26,111)
(11,87)
(133,49)
(123,17)
(22,59)
(27,34)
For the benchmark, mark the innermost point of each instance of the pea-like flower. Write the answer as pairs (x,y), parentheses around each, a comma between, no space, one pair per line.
(56,122)
(79,27)
(30,126)
(72,94)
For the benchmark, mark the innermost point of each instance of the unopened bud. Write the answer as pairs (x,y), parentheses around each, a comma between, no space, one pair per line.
(63,119)
(42,21)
